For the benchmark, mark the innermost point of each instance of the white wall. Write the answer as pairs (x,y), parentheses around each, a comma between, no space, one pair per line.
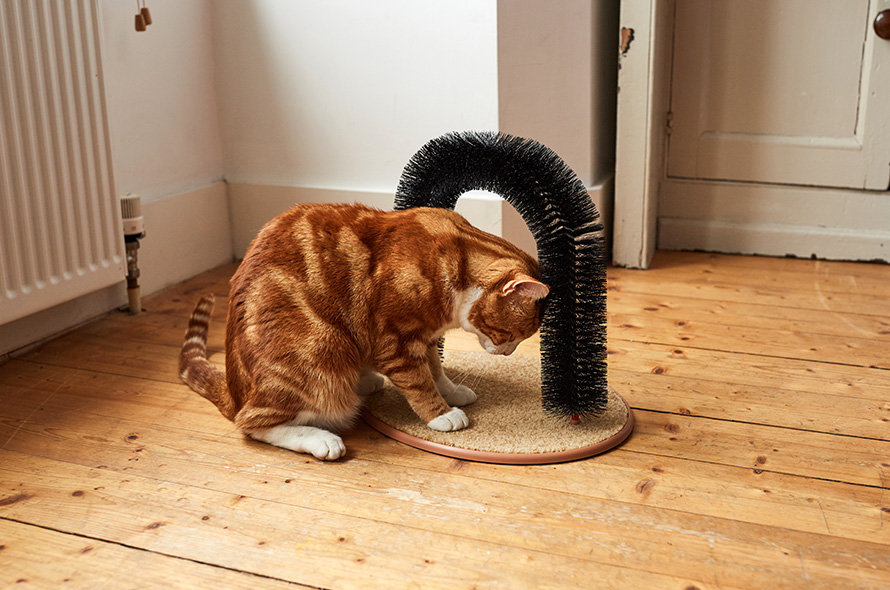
(161,96)
(160,88)
(557,75)
(329,100)
(340,94)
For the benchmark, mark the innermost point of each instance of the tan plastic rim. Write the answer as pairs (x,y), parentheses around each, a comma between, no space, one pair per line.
(505,458)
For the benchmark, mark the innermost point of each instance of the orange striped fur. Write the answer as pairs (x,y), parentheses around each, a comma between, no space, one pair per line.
(330,297)
(194,368)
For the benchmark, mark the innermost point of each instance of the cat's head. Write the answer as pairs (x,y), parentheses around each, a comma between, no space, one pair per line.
(506,312)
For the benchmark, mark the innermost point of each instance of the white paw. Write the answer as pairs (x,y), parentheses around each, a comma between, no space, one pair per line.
(370,383)
(450,421)
(325,445)
(461,395)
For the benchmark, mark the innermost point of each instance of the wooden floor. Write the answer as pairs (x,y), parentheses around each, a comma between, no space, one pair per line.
(760,459)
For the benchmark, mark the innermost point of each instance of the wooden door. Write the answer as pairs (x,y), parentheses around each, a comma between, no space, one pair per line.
(780,91)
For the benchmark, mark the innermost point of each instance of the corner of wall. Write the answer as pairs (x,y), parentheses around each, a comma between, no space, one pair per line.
(185,235)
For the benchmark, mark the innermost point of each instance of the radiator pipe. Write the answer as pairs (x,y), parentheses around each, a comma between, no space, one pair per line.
(134,297)
(134,230)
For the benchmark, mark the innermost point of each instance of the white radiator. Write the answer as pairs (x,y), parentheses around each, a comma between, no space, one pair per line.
(60,228)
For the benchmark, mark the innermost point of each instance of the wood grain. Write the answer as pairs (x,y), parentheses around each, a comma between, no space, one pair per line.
(35,557)
(761,457)
(805,506)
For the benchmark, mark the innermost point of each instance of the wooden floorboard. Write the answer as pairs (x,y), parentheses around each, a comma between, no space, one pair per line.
(46,558)
(760,459)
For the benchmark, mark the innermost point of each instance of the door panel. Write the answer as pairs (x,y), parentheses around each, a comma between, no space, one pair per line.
(780,91)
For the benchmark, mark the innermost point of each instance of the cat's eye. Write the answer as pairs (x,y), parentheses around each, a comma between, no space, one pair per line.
(498,337)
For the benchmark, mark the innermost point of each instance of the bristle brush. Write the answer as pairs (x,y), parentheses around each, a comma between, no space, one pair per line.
(555,205)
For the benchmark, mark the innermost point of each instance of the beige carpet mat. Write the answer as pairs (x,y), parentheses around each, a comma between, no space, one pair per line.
(507,422)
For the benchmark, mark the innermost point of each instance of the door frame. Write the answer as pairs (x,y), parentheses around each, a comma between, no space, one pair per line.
(645,37)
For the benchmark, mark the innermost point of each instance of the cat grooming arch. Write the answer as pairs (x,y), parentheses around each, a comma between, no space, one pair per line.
(566,226)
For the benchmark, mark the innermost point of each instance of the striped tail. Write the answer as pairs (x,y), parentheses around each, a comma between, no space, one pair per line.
(194,369)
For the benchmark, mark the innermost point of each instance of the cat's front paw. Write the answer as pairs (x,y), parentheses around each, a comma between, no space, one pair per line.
(455,395)
(455,419)
(461,395)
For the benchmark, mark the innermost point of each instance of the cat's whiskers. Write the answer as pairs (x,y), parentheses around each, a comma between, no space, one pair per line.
(469,373)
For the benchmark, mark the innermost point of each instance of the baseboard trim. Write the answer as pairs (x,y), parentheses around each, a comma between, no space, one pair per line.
(252,205)
(773,240)
(774,220)
(186,234)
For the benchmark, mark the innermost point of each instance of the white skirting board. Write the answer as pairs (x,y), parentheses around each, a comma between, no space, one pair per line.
(186,234)
(252,205)
(774,220)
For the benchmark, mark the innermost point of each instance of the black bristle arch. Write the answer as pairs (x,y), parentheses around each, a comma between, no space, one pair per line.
(555,205)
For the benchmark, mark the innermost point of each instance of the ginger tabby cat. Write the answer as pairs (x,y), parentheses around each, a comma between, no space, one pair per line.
(330,298)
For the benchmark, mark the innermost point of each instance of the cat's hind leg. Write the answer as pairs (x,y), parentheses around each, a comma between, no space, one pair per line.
(294,434)
(319,443)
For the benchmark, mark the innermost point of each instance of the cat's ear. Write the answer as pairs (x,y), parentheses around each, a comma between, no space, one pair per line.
(526,287)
